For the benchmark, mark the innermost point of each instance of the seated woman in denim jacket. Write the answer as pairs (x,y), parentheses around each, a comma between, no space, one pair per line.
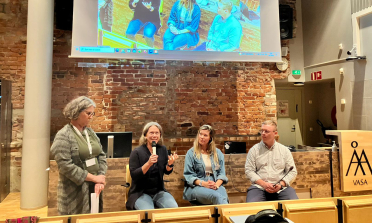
(205,170)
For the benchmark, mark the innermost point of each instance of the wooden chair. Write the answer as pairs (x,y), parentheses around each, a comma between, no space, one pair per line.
(250,209)
(128,182)
(309,212)
(135,218)
(58,219)
(53,221)
(177,216)
(359,210)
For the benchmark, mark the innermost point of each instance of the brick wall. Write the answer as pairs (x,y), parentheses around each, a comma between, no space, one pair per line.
(313,172)
(13,29)
(180,95)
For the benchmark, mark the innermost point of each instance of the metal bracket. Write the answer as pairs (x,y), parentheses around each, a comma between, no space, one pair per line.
(280,209)
(146,219)
(216,215)
(340,211)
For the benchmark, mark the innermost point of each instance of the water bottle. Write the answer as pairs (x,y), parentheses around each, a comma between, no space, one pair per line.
(334,147)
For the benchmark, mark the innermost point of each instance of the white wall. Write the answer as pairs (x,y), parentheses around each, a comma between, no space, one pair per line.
(362,86)
(326,24)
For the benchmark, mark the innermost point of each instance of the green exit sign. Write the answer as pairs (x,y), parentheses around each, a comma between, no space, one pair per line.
(296,72)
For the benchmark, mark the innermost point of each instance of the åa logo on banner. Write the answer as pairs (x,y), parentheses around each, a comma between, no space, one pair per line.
(359,161)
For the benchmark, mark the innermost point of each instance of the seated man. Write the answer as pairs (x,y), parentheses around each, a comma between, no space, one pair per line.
(225,33)
(266,166)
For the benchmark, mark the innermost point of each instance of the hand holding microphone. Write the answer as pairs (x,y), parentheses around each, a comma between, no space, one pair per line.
(153,158)
(153,145)
(290,169)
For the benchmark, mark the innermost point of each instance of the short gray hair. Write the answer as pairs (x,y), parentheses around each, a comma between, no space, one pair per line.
(76,106)
(143,140)
(270,122)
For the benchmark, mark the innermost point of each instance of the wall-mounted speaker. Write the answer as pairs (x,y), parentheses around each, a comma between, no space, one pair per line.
(63,14)
(286,21)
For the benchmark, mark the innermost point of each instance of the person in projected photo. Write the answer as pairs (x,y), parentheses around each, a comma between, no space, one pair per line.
(266,166)
(105,15)
(147,170)
(225,33)
(241,12)
(146,18)
(81,162)
(183,24)
(204,170)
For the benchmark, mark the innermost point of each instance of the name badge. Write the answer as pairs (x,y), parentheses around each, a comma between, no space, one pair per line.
(90,162)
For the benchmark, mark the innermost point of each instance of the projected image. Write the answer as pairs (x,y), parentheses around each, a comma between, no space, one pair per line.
(193,25)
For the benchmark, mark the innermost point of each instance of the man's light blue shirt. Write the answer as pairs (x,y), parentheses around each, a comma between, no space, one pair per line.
(224,34)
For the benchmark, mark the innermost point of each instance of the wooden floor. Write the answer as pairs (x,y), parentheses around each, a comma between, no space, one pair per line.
(11,208)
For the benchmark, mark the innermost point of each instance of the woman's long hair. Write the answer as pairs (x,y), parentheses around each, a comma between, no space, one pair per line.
(188,5)
(143,139)
(211,145)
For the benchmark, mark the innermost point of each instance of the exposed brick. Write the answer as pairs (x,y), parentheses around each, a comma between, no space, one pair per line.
(230,96)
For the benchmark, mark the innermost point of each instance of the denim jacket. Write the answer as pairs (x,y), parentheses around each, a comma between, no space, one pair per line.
(195,170)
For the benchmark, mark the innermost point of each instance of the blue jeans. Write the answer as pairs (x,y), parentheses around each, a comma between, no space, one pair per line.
(161,200)
(135,25)
(173,42)
(201,47)
(209,196)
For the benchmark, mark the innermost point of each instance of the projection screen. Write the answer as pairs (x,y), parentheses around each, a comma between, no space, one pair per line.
(191,30)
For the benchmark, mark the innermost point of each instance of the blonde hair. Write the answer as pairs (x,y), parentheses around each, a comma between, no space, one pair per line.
(211,146)
(227,4)
(270,122)
(188,5)
(143,139)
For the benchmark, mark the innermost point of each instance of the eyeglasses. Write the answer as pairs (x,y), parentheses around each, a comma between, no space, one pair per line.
(265,131)
(90,114)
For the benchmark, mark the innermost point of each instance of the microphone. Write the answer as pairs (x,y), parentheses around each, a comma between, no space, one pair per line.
(290,169)
(153,147)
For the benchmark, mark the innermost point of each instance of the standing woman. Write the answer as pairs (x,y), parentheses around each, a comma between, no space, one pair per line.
(205,170)
(81,162)
(147,170)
